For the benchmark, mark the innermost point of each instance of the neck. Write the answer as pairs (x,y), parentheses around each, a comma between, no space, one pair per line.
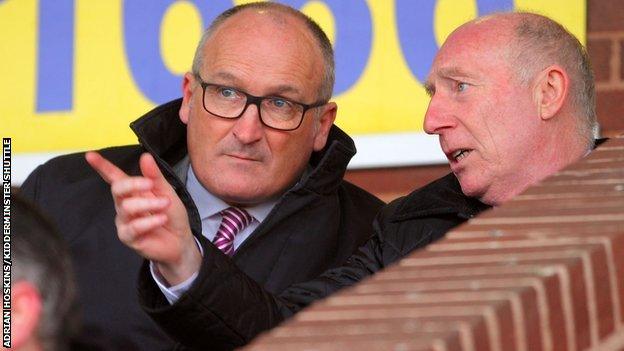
(552,152)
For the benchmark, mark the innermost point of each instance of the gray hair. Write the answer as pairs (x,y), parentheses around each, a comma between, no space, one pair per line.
(327,83)
(41,258)
(541,42)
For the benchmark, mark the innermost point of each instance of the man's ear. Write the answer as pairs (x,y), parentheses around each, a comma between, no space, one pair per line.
(25,313)
(326,120)
(551,91)
(188,83)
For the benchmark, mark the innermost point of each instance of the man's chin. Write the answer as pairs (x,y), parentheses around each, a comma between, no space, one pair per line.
(470,187)
(241,196)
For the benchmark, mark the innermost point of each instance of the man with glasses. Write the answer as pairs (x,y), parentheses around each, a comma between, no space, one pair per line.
(248,159)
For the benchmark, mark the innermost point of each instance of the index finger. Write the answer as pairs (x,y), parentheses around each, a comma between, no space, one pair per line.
(108,171)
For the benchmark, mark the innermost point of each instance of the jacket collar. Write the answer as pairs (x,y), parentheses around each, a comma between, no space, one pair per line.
(161,132)
(442,196)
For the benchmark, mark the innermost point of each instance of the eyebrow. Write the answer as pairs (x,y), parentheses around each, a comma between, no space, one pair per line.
(429,88)
(276,90)
(281,89)
(453,71)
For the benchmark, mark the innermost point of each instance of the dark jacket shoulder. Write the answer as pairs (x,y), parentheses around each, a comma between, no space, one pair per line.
(423,216)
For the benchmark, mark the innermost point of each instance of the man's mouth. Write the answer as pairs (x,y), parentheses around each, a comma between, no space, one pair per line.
(460,154)
(243,157)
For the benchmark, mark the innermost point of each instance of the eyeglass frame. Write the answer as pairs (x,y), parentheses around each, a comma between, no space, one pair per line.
(255,100)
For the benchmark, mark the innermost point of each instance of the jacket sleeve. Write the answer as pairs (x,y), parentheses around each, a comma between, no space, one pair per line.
(29,189)
(225,308)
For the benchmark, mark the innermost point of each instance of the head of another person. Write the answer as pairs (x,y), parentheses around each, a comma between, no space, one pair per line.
(263,50)
(512,101)
(42,291)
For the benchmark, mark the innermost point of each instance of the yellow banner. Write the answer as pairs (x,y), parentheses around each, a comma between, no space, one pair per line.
(75,73)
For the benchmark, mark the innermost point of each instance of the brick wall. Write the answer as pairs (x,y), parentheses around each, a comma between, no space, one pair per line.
(390,183)
(543,272)
(605,43)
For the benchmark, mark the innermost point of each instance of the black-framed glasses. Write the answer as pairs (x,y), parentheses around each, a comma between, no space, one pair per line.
(274,111)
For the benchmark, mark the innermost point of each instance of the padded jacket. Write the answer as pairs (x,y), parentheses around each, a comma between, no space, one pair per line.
(225,309)
(316,225)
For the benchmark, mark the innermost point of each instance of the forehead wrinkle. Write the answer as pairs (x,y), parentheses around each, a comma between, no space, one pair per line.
(225,77)
(284,88)
(453,71)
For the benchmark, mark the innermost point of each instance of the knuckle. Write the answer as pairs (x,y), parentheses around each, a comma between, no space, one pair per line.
(126,206)
(138,226)
(117,188)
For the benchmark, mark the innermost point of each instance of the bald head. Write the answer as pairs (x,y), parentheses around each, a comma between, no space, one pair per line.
(277,13)
(536,42)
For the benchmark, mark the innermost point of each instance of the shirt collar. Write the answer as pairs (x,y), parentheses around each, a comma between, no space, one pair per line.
(209,205)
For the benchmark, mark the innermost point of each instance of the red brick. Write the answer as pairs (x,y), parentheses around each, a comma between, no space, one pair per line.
(610,238)
(471,330)
(621,60)
(600,54)
(413,278)
(600,165)
(568,213)
(523,302)
(495,307)
(587,176)
(616,141)
(391,342)
(600,272)
(548,309)
(496,315)
(610,110)
(614,342)
(567,191)
(390,312)
(609,152)
(397,181)
(590,293)
(607,227)
(571,202)
(605,15)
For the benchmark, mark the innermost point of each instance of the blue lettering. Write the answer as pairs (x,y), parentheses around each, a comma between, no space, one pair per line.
(142,20)
(415,27)
(353,40)
(55,73)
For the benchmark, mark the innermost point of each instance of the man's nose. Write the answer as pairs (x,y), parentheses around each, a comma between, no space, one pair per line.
(248,128)
(438,116)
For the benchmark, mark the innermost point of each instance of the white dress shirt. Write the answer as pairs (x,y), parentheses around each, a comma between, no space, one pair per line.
(209,208)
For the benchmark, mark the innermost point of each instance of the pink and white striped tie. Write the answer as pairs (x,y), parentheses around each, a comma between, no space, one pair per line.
(234,220)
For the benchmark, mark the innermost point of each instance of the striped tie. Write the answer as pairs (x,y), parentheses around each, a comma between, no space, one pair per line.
(234,220)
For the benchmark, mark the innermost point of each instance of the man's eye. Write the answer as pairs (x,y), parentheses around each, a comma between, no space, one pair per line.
(227,92)
(461,86)
(279,103)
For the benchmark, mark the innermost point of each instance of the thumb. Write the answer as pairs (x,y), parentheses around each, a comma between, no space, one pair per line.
(150,169)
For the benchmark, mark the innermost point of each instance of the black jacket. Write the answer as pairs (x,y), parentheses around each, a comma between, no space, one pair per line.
(316,225)
(225,309)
